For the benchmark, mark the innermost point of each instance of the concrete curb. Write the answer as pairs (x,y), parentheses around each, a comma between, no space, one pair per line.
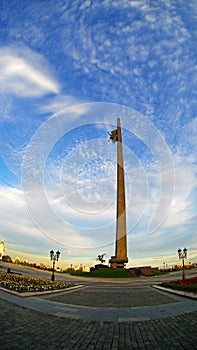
(177,292)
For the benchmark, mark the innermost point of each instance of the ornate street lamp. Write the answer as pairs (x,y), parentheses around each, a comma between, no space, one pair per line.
(183,255)
(54,257)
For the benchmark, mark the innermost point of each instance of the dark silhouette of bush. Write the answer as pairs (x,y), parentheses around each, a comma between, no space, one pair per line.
(6,258)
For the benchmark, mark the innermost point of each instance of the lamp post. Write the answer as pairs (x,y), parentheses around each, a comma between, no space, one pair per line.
(183,255)
(54,257)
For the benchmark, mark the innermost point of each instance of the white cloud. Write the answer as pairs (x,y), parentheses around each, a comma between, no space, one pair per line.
(68,225)
(183,206)
(60,102)
(25,73)
(15,219)
(5,106)
(17,225)
(181,210)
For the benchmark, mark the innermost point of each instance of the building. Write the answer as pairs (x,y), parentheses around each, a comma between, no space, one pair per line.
(2,249)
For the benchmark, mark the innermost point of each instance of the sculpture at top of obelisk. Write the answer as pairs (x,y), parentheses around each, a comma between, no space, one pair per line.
(120,258)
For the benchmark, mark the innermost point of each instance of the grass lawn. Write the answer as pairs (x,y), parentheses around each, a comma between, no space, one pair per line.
(105,273)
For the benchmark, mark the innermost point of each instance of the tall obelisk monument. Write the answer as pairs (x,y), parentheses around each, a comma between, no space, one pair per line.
(120,258)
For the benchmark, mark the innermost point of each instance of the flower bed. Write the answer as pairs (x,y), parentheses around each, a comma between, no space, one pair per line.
(23,284)
(188,285)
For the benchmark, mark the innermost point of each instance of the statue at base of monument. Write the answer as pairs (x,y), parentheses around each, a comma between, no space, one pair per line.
(101,258)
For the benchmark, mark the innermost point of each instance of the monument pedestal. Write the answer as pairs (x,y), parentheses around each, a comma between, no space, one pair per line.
(116,263)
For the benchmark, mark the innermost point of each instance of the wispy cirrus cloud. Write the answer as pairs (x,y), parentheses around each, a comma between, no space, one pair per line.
(25,73)
(59,103)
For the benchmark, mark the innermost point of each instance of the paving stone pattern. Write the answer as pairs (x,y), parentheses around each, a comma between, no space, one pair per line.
(113,297)
(22,328)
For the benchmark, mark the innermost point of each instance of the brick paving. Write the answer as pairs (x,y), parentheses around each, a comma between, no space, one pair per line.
(111,318)
(120,297)
(22,328)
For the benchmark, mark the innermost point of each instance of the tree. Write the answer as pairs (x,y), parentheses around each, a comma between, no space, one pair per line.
(6,258)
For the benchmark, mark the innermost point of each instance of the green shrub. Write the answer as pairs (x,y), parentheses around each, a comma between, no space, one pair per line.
(105,273)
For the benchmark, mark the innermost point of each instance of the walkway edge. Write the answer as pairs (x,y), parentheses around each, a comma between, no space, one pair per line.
(103,314)
(177,292)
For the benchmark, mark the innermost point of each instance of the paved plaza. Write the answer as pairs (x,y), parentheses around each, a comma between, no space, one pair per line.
(102,316)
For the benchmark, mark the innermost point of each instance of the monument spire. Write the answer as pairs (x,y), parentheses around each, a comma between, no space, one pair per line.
(120,258)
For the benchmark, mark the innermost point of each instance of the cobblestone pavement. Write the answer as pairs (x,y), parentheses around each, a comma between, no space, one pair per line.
(103,296)
(23,328)
(144,320)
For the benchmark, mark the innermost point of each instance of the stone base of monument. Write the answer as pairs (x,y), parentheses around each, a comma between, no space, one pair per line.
(117,263)
(99,267)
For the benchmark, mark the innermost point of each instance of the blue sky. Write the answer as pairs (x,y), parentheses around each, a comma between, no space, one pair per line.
(68,70)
